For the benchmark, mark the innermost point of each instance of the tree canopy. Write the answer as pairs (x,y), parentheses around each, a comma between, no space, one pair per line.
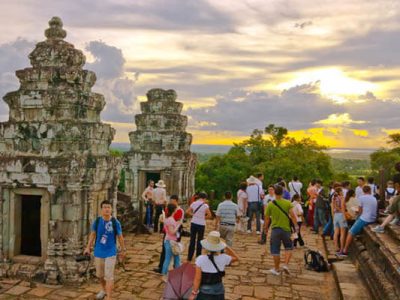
(269,151)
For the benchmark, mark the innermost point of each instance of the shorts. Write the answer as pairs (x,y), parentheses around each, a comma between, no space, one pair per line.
(279,235)
(358,227)
(105,267)
(339,221)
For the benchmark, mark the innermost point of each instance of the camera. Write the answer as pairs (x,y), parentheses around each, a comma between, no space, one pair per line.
(80,258)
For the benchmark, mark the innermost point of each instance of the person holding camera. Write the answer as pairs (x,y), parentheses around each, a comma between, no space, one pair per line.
(105,231)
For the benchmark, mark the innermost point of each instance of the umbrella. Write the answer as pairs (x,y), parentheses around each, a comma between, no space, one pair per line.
(180,282)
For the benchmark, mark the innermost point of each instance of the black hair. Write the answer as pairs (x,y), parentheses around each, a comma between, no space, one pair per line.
(370,180)
(228,195)
(345,183)
(258,175)
(174,197)
(361,178)
(313,182)
(295,178)
(295,197)
(278,190)
(243,186)
(105,202)
(203,195)
(350,193)
(148,181)
(279,179)
(170,210)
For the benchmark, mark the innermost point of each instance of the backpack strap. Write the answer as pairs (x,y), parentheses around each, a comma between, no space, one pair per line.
(290,220)
(96,227)
(114,225)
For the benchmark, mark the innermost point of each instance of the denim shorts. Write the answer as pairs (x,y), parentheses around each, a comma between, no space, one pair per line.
(358,226)
(279,235)
(339,221)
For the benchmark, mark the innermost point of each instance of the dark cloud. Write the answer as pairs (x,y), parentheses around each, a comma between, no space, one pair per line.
(13,56)
(109,61)
(241,111)
(303,25)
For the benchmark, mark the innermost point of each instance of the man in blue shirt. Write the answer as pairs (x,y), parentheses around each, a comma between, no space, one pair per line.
(367,212)
(105,231)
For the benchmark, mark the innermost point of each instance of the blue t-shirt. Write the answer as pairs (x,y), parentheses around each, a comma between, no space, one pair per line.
(106,245)
(369,207)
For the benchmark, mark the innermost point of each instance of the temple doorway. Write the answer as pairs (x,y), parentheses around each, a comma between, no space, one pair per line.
(30,225)
(155,176)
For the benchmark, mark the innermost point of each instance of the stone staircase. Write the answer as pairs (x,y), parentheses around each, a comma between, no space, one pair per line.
(377,257)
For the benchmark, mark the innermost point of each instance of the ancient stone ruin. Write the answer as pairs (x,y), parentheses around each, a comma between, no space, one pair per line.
(55,166)
(160,147)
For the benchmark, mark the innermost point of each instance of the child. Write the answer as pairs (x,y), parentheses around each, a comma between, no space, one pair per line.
(298,210)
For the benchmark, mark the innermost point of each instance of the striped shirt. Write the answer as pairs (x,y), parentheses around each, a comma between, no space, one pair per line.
(227,211)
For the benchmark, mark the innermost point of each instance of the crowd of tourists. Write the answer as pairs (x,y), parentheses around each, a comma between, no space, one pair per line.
(281,210)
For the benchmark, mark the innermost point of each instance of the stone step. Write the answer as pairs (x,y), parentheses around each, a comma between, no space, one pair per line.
(349,282)
(377,258)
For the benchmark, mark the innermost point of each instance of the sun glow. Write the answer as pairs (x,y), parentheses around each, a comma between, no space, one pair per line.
(333,83)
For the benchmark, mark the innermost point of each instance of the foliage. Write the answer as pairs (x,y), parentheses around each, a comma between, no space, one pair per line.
(270,152)
(121,184)
(350,167)
(116,152)
(203,157)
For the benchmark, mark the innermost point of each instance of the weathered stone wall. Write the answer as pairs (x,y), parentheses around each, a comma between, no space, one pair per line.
(161,144)
(55,146)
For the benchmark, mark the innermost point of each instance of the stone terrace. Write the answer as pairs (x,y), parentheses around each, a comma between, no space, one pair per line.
(247,280)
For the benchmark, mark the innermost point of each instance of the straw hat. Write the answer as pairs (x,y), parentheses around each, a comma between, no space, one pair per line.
(161,184)
(252,180)
(213,242)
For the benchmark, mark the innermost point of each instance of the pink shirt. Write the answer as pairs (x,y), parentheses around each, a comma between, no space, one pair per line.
(170,222)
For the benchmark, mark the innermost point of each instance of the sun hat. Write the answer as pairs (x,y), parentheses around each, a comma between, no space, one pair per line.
(161,184)
(252,180)
(213,242)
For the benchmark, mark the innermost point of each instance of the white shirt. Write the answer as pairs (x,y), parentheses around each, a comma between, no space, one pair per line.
(295,188)
(359,192)
(298,210)
(369,206)
(268,198)
(254,193)
(344,191)
(205,264)
(199,217)
(159,196)
(241,199)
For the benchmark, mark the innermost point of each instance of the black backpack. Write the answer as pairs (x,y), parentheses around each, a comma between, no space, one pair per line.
(315,261)
(114,225)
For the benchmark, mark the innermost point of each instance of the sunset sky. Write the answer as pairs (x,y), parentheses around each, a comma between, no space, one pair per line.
(329,70)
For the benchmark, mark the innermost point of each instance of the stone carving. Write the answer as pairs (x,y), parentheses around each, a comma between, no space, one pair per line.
(160,147)
(55,150)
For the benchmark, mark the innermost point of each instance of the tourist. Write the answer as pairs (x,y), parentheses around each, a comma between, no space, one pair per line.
(242,206)
(390,191)
(286,194)
(105,231)
(393,210)
(260,179)
(254,197)
(210,268)
(338,208)
(178,215)
(312,194)
(321,207)
(374,187)
(367,211)
(359,188)
(298,211)
(267,199)
(199,210)
(160,200)
(295,187)
(226,217)
(352,205)
(329,226)
(345,187)
(147,197)
(278,213)
(171,234)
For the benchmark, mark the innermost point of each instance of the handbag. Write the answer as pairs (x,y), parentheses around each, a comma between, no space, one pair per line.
(177,247)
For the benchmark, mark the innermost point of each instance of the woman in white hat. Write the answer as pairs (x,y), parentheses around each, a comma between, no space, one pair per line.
(160,201)
(210,268)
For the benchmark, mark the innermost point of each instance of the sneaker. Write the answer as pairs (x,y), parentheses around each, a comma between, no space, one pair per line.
(248,231)
(378,229)
(395,221)
(343,254)
(101,295)
(338,253)
(258,232)
(286,270)
(275,272)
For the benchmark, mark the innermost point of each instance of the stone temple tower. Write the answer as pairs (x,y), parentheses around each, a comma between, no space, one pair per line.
(160,147)
(55,166)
